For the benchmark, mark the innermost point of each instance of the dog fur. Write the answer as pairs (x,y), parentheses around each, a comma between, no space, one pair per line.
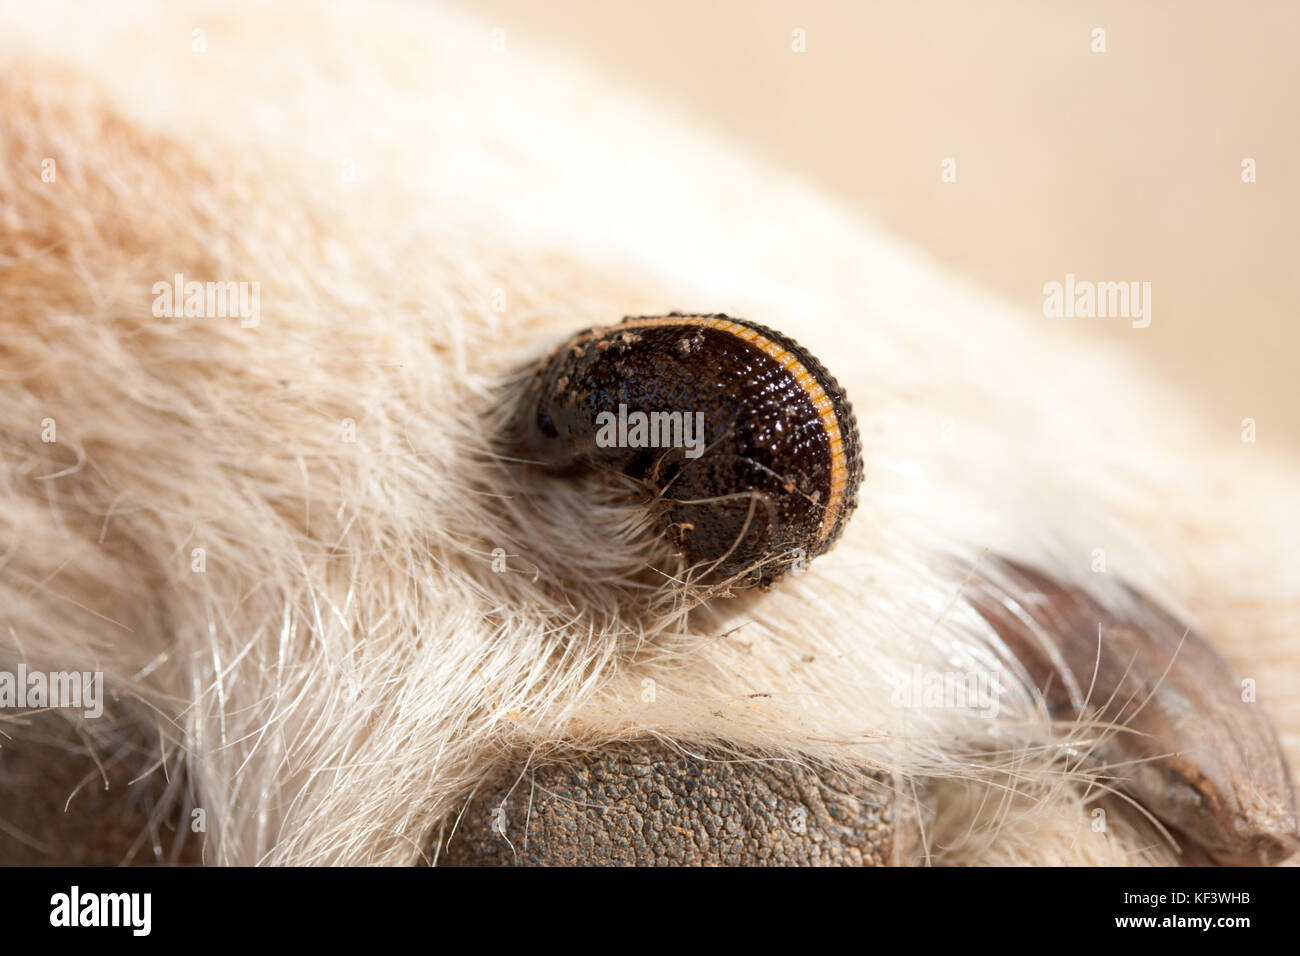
(423,214)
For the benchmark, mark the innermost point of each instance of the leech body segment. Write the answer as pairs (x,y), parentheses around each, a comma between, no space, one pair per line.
(744,443)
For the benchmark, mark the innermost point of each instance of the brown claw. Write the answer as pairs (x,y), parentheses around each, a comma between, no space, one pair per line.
(1188,747)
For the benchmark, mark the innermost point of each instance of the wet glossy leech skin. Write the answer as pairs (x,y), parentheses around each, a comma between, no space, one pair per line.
(744,442)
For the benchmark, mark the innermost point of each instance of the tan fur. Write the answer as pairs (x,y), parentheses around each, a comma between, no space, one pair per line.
(349,665)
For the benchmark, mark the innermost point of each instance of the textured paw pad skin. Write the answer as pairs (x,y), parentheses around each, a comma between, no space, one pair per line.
(643,803)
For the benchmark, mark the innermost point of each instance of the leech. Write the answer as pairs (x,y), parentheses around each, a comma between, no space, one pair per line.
(1184,743)
(777,429)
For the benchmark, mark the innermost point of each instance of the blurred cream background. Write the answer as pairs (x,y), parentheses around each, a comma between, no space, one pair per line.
(1116,166)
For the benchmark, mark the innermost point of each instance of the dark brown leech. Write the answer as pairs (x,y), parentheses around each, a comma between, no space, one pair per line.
(770,477)
(646,804)
(1190,750)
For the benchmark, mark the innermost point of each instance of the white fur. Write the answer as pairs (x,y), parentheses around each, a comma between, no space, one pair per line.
(349,666)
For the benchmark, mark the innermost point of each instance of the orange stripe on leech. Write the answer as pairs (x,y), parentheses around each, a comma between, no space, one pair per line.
(825,409)
(821,402)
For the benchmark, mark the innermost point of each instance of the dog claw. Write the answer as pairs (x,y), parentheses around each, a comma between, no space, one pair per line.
(1184,743)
